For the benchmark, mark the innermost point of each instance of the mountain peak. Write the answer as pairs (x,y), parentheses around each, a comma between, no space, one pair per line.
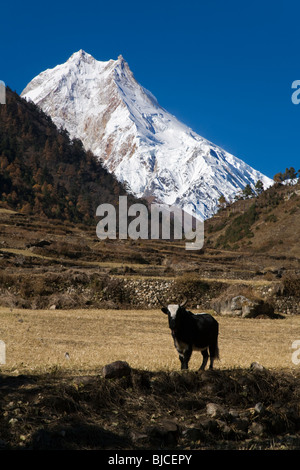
(81,55)
(137,140)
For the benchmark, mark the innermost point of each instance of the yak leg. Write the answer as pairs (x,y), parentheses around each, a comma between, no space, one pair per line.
(205,359)
(213,353)
(185,357)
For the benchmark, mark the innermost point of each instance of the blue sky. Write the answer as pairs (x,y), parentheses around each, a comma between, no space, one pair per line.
(225,68)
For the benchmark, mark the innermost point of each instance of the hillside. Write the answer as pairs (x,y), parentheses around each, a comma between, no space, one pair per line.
(50,254)
(47,263)
(44,172)
(267,224)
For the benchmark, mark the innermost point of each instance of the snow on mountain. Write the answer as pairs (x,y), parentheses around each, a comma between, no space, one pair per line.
(122,123)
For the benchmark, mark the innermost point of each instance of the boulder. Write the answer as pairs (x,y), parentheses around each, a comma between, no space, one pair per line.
(193,433)
(242,306)
(165,433)
(256,366)
(214,410)
(241,424)
(259,408)
(116,369)
(257,429)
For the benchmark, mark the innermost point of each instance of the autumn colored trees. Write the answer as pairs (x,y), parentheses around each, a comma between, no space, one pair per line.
(43,171)
(289,174)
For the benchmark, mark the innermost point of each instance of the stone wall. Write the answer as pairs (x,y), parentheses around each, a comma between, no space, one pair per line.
(144,292)
(81,291)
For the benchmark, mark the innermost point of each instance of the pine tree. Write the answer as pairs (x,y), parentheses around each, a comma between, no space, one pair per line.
(247,191)
(290,173)
(259,187)
(278,178)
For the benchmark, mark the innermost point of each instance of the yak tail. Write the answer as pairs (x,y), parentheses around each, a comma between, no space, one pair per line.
(215,353)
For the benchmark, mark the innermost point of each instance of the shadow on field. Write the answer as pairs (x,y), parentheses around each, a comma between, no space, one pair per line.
(77,435)
(220,409)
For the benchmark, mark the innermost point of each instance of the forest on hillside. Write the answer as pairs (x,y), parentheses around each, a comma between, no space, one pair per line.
(44,172)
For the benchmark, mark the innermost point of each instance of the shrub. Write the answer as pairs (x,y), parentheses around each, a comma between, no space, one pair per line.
(239,228)
(271,218)
(291,286)
(190,286)
(239,289)
(110,288)
(6,279)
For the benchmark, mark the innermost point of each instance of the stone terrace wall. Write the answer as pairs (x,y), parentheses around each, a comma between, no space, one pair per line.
(144,294)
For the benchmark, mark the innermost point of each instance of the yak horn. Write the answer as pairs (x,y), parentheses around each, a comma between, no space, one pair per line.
(183,303)
(160,301)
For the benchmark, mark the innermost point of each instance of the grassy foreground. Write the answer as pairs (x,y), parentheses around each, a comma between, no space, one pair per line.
(38,340)
(50,401)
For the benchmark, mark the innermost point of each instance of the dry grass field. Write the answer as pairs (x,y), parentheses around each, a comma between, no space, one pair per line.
(37,341)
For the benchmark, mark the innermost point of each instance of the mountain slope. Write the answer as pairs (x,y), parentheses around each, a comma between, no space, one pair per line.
(43,172)
(146,147)
(266,224)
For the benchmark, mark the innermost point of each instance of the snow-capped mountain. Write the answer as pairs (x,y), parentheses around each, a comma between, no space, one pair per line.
(122,123)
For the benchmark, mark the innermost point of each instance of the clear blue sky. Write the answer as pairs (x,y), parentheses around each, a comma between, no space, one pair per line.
(223,67)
